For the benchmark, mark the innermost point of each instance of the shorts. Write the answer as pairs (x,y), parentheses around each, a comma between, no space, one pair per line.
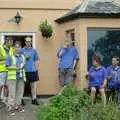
(3,78)
(66,76)
(32,76)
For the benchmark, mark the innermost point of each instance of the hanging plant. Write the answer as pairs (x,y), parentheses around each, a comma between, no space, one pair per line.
(46,29)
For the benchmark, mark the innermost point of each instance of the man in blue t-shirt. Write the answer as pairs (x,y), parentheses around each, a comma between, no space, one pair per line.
(31,71)
(112,76)
(68,56)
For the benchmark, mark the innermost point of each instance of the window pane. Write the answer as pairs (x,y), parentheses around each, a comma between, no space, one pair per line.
(71,36)
(105,43)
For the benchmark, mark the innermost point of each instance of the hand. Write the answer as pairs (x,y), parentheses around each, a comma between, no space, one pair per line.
(18,68)
(118,82)
(22,65)
(2,58)
(65,46)
(74,71)
(114,73)
(88,76)
(103,86)
(28,56)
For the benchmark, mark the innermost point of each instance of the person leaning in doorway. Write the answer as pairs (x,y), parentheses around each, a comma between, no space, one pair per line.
(32,76)
(15,80)
(5,50)
(68,56)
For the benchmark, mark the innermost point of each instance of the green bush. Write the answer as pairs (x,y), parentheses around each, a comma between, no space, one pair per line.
(75,104)
(65,106)
(98,112)
(46,29)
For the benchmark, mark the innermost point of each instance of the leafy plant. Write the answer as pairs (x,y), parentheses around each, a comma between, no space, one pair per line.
(98,112)
(46,29)
(65,106)
(75,104)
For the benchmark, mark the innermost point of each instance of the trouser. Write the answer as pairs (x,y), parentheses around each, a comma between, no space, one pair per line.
(3,86)
(16,90)
(19,91)
(33,90)
(118,96)
(66,76)
(112,94)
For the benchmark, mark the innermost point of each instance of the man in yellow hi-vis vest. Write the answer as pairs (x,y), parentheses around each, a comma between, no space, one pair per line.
(16,78)
(5,50)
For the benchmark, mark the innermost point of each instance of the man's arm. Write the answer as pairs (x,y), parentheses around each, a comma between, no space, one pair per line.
(88,76)
(13,68)
(9,65)
(118,77)
(37,59)
(108,74)
(105,82)
(25,55)
(61,52)
(105,79)
(75,63)
(109,77)
(76,59)
(2,58)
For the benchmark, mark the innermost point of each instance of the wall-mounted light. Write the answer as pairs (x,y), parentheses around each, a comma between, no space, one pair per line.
(17,18)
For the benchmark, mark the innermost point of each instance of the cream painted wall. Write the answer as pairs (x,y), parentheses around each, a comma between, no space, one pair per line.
(39,4)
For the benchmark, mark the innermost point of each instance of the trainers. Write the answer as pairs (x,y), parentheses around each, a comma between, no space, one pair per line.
(1,104)
(11,113)
(35,102)
(16,108)
(21,109)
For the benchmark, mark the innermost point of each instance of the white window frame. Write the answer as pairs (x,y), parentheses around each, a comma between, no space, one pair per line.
(3,34)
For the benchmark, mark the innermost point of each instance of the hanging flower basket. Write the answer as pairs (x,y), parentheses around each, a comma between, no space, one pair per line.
(46,29)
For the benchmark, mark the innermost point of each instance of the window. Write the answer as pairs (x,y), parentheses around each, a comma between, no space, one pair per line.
(105,43)
(71,36)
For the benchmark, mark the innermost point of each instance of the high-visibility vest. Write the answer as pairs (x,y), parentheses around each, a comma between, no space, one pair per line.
(3,67)
(12,73)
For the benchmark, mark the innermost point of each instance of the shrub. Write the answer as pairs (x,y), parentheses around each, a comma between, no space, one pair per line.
(98,112)
(65,106)
(75,104)
(46,29)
